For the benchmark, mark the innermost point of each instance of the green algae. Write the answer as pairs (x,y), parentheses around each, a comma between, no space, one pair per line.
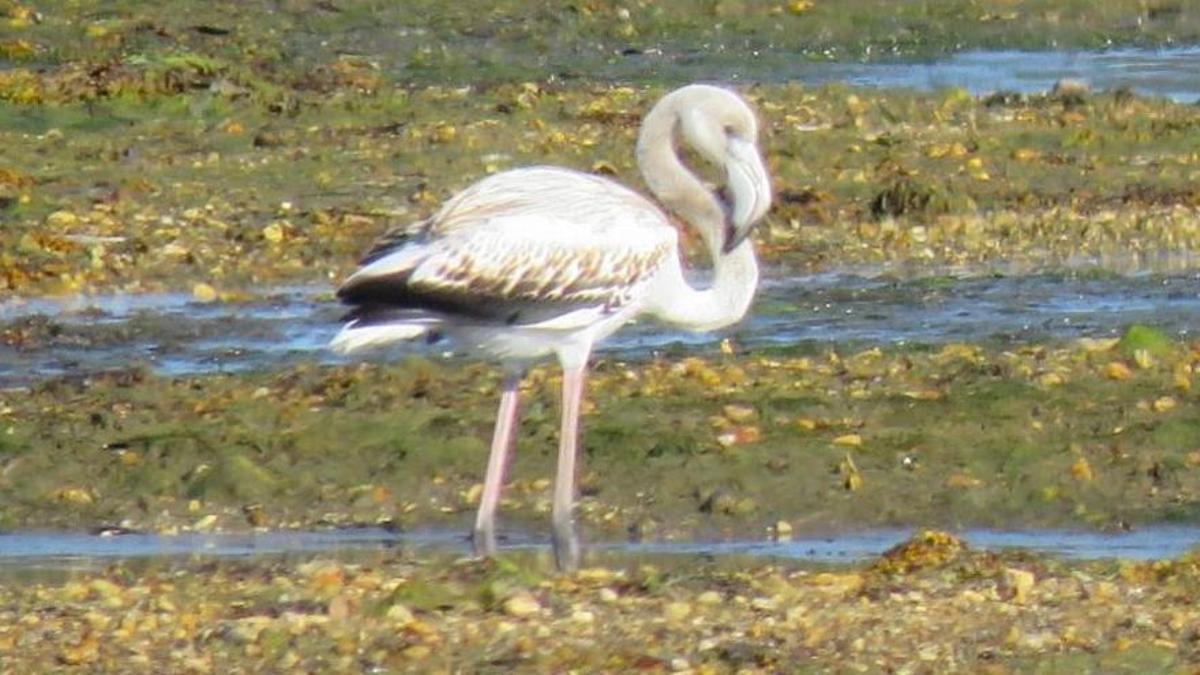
(429,41)
(1139,337)
(259,146)
(1062,435)
(208,188)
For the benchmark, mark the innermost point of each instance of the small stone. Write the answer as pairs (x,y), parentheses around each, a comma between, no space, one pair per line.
(107,591)
(1082,471)
(675,612)
(73,495)
(472,494)
(273,232)
(962,481)
(206,523)
(521,605)
(1018,583)
(1070,87)
(417,652)
(595,575)
(1025,154)
(1163,404)
(203,292)
(1116,370)
(173,250)
(247,630)
(339,608)
(849,440)
(764,604)
(972,597)
(1106,591)
(1051,379)
(719,501)
(400,614)
(738,413)
(256,516)
(86,651)
(61,219)
(1144,359)
(710,598)
(1094,345)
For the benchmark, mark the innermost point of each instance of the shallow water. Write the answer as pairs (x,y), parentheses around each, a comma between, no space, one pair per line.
(67,551)
(1168,73)
(173,335)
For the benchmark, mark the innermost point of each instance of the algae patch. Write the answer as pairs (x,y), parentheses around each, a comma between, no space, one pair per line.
(1076,434)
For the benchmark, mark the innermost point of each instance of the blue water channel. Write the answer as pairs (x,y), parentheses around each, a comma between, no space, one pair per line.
(78,551)
(171,334)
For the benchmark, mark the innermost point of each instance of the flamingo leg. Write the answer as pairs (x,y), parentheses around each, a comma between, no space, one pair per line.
(566,542)
(503,440)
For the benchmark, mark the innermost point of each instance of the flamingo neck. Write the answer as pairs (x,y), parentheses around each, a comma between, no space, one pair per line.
(724,302)
(735,274)
(675,185)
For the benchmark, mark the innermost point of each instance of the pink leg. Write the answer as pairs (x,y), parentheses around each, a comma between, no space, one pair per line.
(566,543)
(502,443)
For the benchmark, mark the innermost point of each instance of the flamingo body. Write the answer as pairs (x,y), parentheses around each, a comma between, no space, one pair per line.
(514,266)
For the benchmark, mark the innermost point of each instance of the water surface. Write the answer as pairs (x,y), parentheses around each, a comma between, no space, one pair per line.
(1168,73)
(67,551)
(171,334)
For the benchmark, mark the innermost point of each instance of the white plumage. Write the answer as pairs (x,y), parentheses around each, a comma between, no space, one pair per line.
(545,260)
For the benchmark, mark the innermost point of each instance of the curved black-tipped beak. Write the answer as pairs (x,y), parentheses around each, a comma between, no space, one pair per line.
(749,192)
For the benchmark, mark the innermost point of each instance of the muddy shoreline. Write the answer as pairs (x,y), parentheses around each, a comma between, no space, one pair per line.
(957,609)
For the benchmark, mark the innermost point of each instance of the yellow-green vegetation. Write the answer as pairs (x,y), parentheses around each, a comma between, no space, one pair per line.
(1095,433)
(932,604)
(144,147)
(425,40)
(207,189)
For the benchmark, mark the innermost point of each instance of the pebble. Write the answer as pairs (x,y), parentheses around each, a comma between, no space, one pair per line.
(400,614)
(676,612)
(521,605)
(1019,583)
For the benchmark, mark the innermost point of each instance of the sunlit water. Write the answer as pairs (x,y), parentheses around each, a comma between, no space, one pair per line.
(171,334)
(1168,73)
(54,550)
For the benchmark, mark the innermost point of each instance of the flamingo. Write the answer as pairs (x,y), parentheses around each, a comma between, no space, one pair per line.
(542,261)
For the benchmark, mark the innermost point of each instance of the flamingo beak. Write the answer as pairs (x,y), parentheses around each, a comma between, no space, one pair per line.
(749,190)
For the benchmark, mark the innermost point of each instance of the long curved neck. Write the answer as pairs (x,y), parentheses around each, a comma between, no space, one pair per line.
(735,278)
(735,274)
(673,183)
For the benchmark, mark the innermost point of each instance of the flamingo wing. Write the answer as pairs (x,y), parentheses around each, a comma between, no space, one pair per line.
(538,246)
